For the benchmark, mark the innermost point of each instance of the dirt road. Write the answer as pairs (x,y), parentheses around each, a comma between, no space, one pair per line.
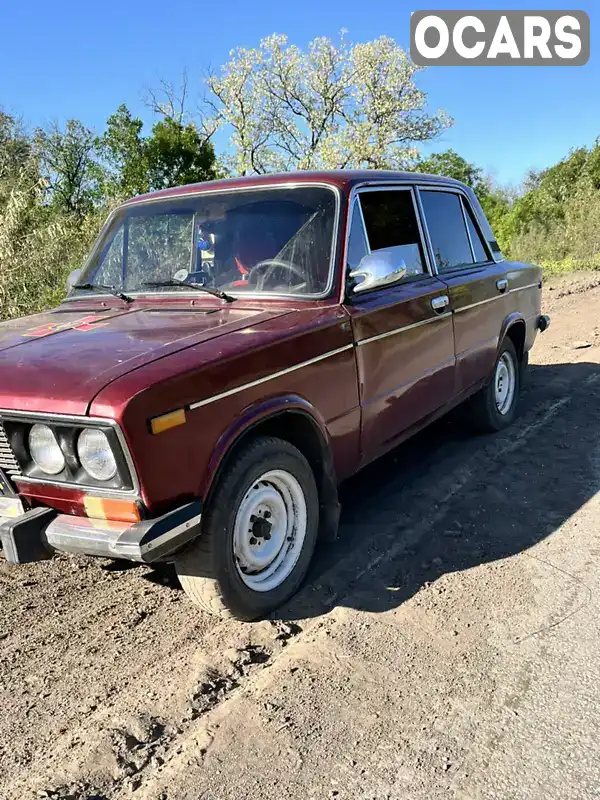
(445,647)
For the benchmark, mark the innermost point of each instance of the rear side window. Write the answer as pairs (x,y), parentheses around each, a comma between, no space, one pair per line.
(447,230)
(391,221)
(476,240)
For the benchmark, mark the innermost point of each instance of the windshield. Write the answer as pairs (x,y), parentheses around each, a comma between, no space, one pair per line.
(273,241)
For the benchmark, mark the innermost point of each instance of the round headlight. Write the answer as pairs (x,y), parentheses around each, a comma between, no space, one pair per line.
(45,450)
(96,455)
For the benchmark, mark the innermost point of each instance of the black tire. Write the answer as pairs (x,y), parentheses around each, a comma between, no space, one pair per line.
(485,415)
(207,569)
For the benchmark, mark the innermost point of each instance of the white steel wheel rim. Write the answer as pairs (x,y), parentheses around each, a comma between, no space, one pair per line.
(505,383)
(269,530)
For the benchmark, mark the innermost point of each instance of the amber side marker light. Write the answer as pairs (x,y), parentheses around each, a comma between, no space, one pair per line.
(108,508)
(166,421)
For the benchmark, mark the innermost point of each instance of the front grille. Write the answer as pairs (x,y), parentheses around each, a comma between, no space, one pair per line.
(8,462)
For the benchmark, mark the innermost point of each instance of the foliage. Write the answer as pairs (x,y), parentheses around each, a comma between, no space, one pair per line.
(557,218)
(15,148)
(68,167)
(122,149)
(38,246)
(450,164)
(175,153)
(495,201)
(331,106)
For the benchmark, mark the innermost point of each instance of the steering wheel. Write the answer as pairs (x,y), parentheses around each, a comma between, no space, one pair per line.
(270,265)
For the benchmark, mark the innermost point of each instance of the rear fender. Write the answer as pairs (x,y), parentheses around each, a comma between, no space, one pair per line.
(513,319)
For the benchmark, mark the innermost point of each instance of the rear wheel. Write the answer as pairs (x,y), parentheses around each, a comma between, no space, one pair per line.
(258,533)
(494,407)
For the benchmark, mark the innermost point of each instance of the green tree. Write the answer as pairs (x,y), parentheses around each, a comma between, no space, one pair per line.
(495,200)
(123,150)
(451,165)
(68,164)
(178,154)
(548,192)
(15,147)
(175,153)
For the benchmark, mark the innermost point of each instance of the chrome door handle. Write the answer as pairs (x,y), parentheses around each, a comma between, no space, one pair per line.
(441,302)
(502,285)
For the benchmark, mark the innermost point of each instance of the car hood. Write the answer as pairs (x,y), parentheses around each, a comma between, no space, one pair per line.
(57,362)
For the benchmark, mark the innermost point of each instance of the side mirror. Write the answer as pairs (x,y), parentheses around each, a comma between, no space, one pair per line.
(73,279)
(381,268)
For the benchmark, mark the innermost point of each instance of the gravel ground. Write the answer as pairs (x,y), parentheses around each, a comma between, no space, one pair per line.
(445,647)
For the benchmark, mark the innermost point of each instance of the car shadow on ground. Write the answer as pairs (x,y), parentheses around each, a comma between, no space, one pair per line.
(514,489)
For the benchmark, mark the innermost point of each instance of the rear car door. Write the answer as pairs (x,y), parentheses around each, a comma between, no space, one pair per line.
(403,333)
(477,285)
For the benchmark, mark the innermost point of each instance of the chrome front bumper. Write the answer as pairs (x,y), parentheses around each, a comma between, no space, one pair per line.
(37,533)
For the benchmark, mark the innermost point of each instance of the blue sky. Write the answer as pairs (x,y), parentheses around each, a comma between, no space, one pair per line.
(82,59)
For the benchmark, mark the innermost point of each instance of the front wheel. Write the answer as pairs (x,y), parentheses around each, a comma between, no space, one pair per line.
(258,533)
(495,406)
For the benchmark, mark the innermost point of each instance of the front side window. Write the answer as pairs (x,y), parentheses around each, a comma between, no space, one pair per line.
(447,230)
(275,241)
(391,221)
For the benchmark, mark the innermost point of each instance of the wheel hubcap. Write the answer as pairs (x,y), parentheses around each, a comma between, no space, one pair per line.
(505,383)
(269,530)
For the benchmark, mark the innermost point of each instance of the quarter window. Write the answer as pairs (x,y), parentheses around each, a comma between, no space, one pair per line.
(357,243)
(391,221)
(447,230)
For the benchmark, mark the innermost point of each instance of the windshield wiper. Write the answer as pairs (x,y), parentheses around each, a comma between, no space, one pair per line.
(100,287)
(198,286)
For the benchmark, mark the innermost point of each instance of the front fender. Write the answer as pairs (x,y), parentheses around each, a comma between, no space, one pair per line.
(252,416)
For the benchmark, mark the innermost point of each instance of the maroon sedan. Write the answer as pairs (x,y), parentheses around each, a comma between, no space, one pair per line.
(232,351)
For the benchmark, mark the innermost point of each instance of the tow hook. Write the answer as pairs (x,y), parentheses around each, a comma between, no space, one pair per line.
(543,322)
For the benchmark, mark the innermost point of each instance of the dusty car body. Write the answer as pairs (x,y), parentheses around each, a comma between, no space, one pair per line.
(348,310)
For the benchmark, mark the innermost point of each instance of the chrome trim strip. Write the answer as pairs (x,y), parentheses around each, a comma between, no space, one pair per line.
(167,535)
(405,328)
(250,295)
(521,288)
(497,297)
(88,422)
(271,377)
(480,303)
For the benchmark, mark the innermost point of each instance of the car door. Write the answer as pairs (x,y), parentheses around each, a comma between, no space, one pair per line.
(477,285)
(403,333)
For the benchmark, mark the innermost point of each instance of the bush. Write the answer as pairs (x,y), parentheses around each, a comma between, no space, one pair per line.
(572,242)
(38,249)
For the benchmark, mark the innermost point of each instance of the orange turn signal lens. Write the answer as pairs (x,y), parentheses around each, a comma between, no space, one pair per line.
(108,508)
(166,421)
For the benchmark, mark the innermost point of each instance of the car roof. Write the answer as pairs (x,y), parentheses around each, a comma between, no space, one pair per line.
(344,179)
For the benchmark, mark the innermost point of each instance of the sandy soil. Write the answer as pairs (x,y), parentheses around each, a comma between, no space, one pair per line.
(445,647)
